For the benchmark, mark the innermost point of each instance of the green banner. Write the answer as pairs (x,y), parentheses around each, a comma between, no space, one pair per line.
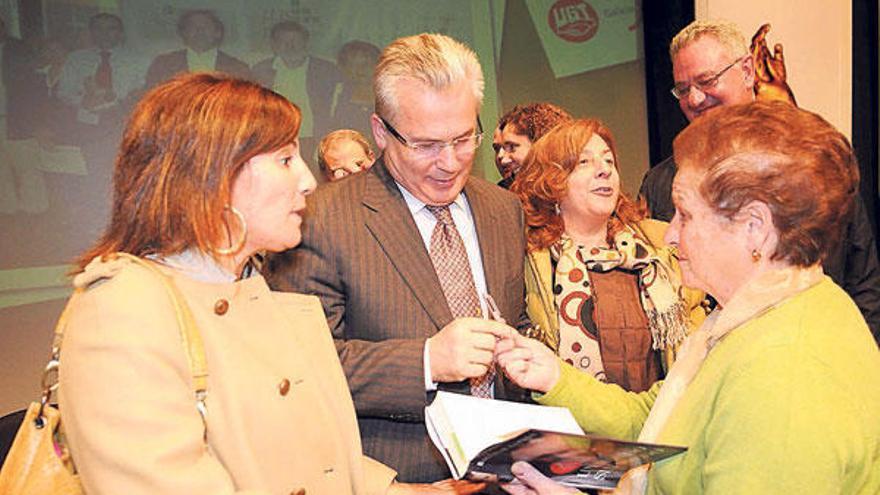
(579,35)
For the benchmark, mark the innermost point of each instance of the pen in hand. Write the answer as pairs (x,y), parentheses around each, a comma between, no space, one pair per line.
(492,309)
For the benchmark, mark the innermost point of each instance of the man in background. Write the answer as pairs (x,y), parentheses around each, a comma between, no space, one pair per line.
(344,152)
(202,33)
(303,79)
(712,66)
(23,102)
(520,127)
(102,81)
(99,86)
(353,96)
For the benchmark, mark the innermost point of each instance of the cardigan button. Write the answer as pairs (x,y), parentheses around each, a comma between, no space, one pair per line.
(284,387)
(221,307)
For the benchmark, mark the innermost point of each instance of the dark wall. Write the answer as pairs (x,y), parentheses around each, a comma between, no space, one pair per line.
(663,20)
(864,102)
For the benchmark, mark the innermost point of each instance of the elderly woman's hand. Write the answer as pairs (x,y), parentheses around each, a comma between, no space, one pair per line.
(532,482)
(444,487)
(527,362)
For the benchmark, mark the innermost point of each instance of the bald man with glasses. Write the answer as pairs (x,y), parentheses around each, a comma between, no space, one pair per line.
(712,66)
(409,257)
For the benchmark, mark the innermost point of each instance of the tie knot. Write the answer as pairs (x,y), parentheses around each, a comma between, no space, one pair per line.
(105,55)
(442,213)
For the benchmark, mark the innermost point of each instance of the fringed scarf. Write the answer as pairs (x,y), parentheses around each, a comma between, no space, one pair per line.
(659,291)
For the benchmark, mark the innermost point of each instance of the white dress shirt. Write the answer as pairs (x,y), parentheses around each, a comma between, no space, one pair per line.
(464,223)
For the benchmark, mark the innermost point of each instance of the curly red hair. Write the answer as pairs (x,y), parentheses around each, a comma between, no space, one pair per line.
(543,181)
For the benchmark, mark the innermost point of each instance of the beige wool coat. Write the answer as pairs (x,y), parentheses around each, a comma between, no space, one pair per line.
(280,417)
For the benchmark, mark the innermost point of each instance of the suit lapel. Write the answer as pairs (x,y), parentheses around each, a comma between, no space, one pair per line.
(489,238)
(390,222)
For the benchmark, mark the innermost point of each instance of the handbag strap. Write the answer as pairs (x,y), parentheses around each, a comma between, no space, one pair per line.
(189,334)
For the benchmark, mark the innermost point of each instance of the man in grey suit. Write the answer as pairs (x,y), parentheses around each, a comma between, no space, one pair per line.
(367,252)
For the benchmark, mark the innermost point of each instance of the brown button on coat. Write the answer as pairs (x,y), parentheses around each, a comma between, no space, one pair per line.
(280,415)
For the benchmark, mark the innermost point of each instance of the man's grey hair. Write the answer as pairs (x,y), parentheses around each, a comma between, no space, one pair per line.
(726,32)
(435,60)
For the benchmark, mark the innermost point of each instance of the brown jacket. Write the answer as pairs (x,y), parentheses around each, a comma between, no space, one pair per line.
(362,255)
(279,419)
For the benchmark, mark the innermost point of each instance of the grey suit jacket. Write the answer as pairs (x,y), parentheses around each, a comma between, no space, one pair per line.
(362,255)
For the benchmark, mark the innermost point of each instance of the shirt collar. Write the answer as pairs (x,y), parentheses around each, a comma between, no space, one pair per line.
(416,205)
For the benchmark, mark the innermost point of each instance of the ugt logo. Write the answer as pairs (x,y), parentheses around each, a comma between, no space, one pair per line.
(573,20)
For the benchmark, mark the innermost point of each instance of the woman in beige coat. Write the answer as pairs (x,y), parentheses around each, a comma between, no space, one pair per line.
(208,176)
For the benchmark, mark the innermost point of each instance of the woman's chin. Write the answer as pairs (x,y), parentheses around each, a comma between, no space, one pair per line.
(282,244)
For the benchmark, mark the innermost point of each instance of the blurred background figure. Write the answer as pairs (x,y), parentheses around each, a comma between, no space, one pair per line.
(602,287)
(201,32)
(99,81)
(98,87)
(520,127)
(22,100)
(353,97)
(344,152)
(301,78)
(51,57)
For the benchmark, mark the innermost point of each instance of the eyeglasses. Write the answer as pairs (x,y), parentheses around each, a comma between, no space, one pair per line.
(706,82)
(429,149)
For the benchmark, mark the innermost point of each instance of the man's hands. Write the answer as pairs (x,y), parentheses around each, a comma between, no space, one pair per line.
(464,348)
(94,96)
(467,347)
(528,363)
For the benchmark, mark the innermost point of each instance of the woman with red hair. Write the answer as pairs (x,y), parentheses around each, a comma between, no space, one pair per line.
(786,367)
(602,287)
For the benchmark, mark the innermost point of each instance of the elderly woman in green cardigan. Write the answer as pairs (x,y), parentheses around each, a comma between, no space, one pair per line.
(777,391)
(602,288)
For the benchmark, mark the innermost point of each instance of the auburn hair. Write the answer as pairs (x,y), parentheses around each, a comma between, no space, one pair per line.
(792,160)
(543,181)
(534,119)
(184,144)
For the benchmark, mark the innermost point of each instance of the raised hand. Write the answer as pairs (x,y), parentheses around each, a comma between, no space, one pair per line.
(770,74)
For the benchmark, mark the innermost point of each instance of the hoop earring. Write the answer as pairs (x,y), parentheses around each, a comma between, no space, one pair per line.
(233,247)
(756,255)
(556,209)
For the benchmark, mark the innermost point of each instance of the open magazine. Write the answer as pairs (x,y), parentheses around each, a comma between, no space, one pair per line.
(481,438)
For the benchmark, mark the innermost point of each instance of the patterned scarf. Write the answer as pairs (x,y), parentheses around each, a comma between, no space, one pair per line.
(659,291)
